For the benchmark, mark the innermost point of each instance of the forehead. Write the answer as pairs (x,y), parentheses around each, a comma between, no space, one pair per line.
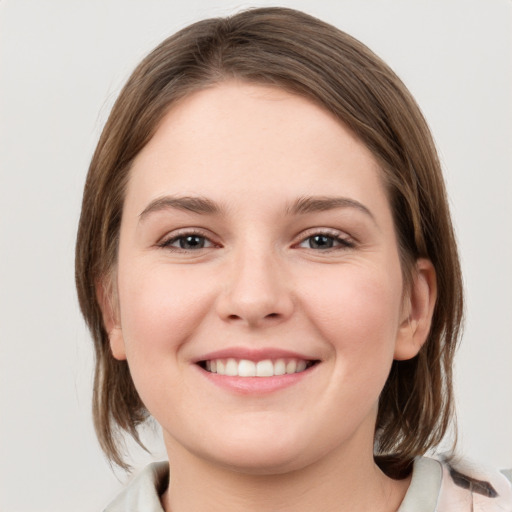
(236,138)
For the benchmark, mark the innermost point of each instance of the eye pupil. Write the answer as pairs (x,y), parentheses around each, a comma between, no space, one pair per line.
(192,242)
(321,242)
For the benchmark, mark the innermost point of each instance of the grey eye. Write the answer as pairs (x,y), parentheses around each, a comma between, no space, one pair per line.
(187,242)
(190,242)
(320,242)
(324,241)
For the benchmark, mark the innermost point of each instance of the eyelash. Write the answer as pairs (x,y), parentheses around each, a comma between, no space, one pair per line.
(167,243)
(333,236)
(343,241)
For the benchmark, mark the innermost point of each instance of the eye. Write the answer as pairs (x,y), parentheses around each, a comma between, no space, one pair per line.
(187,242)
(326,241)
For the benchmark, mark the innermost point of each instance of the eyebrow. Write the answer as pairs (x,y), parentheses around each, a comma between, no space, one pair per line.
(199,205)
(301,206)
(312,204)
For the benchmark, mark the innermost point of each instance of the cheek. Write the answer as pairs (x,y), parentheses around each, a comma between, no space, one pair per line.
(159,309)
(358,311)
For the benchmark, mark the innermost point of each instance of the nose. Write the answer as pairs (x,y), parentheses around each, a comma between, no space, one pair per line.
(257,290)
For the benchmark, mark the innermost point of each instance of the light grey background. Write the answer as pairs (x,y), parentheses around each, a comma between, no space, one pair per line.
(62,64)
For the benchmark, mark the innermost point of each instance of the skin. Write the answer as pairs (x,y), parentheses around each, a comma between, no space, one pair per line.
(259,282)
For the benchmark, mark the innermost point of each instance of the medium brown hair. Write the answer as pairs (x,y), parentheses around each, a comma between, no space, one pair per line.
(303,55)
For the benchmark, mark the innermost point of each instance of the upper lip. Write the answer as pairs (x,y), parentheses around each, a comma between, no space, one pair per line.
(253,354)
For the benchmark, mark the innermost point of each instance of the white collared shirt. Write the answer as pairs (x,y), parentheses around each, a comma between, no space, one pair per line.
(435,487)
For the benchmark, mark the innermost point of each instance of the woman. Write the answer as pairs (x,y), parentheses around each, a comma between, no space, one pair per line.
(266,261)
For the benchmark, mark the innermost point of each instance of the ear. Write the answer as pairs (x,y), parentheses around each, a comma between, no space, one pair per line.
(417,311)
(109,305)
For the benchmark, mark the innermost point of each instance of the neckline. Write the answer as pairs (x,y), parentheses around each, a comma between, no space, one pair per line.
(423,492)
(421,496)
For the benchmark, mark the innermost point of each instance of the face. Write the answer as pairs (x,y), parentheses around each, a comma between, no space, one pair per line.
(260,298)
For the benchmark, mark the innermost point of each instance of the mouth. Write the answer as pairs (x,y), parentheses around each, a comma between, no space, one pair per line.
(263,368)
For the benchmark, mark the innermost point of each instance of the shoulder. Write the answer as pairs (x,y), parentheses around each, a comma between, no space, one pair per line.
(143,492)
(447,486)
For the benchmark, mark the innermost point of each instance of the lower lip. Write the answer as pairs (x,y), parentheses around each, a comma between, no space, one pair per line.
(256,385)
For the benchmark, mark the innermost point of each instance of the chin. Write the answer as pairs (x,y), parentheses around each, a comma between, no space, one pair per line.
(258,463)
(267,455)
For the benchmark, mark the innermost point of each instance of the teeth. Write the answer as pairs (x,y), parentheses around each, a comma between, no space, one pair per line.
(279,367)
(264,368)
(301,366)
(245,368)
(231,367)
(291,366)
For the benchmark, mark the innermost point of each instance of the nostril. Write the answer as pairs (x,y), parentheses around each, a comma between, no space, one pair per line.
(270,316)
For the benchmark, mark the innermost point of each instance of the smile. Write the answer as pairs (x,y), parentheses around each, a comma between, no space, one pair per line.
(264,368)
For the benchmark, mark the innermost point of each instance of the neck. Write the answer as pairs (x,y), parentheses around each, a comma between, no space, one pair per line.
(335,484)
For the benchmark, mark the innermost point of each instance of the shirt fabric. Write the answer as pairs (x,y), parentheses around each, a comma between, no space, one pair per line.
(435,487)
